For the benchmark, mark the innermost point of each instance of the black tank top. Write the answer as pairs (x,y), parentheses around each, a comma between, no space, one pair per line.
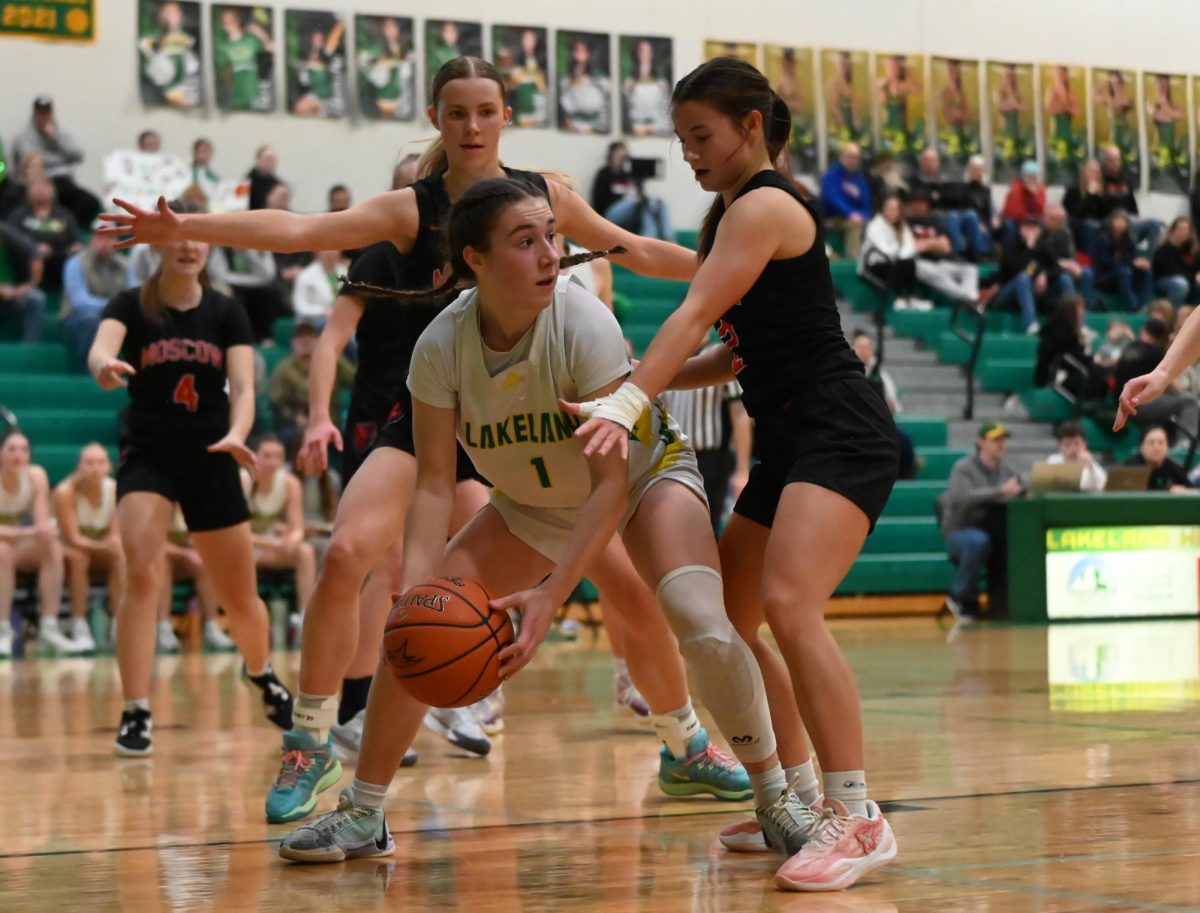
(389,329)
(785,334)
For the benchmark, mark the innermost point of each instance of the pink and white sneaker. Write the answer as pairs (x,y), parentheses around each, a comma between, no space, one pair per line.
(841,849)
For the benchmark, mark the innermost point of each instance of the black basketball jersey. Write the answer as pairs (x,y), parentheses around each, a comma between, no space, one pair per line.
(785,333)
(178,395)
(389,329)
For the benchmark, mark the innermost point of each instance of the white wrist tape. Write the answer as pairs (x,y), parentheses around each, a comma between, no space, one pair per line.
(624,406)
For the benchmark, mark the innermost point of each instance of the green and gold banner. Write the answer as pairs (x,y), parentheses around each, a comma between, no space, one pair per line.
(52,20)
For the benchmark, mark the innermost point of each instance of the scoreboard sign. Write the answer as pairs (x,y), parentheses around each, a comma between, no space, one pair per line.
(53,20)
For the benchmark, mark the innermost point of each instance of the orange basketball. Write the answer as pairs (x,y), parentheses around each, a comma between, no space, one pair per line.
(443,642)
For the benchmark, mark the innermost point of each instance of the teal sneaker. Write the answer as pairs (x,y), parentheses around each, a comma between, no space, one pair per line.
(308,769)
(348,832)
(706,769)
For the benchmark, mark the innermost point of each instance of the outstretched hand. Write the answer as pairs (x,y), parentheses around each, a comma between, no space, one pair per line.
(313,458)
(141,226)
(236,448)
(1139,391)
(112,374)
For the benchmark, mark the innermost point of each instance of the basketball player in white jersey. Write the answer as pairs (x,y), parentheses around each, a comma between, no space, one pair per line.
(85,505)
(490,371)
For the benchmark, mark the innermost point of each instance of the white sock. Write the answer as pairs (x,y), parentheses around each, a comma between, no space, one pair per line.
(768,786)
(138,703)
(368,795)
(803,778)
(675,727)
(620,667)
(850,788)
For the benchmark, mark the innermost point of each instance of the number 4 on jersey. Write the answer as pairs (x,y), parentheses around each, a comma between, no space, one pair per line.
(185,393)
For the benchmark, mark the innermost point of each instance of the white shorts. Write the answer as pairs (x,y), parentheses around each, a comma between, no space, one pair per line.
(546,530)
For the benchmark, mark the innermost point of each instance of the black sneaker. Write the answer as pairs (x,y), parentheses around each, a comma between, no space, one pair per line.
(277,700)
(133,737)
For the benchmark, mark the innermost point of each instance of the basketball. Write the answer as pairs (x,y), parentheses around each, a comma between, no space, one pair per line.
(443,642)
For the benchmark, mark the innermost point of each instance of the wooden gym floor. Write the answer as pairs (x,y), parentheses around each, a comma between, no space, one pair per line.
(1023,769)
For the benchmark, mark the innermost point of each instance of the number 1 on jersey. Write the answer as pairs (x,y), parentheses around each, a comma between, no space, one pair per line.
(539,466)
(185,393)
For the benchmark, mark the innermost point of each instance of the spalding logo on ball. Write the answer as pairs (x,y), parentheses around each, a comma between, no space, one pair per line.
(443,642)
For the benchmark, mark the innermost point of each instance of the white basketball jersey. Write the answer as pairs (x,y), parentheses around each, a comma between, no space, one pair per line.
(17,506)
(266,507)
(510,424)
(93,519)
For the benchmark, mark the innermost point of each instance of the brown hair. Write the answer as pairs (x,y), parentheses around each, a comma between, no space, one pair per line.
(148,295)
(736,89)
(472,219)
(433,160)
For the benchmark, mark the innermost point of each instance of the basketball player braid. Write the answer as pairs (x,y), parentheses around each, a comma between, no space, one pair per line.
(471,222)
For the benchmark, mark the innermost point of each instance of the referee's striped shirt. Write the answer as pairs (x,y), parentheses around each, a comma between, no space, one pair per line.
(704,414)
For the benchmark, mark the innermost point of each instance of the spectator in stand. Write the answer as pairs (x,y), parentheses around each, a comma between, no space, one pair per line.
(50,227)
(317,286)
(287,266)
(977,195)
(405,172)
(968,237)
(275,497)
(618,195)
(886,177)
(1165,473)
(888,254)
(1026,200)
(85,506)
(973,518)
(33,168)
(29,542)
(1073,448)
(90,279)
(23,299)
(1164,311)
(1023,278)
(249,276)
(1064,335)
(339,198)
(1117,193)
(149,141)
(957,281)
(1117,335)
(1141,357)
(864,348)
(1056,249)
(1176,267)
(203,176)
(1084,203)
(262,176)
(846,199)
(60,154)
(1118,266)
(287,387)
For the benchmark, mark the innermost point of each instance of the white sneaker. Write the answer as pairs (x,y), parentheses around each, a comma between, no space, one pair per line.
(458,726)
(902,304)
(81,633)
(166,639)
(921,304)
(626,695)
(347,741)
(6,639)
(215,637)
(51,638)
(490,712)
(1033,329)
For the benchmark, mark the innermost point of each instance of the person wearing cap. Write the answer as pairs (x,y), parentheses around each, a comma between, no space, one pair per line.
(1072,449)
(287,387)
(1026,200)
(972,518)
(61,153)
(90,278)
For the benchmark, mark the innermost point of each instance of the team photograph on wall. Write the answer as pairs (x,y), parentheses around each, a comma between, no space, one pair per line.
(386,65)
(1064,120)
(957,125)
(1115,120)
(584,70)
(243,51)
(170,54)
(647,77)
(791,73)
(1010,106)
(446,39)
(521,54)
(316,63)
(846,82)
(1165,96)
(742,50)
(900,104)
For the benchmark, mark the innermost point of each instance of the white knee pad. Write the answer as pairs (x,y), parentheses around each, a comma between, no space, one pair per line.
(723,668)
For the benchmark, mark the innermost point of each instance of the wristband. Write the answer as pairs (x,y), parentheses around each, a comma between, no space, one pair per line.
(624,406)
